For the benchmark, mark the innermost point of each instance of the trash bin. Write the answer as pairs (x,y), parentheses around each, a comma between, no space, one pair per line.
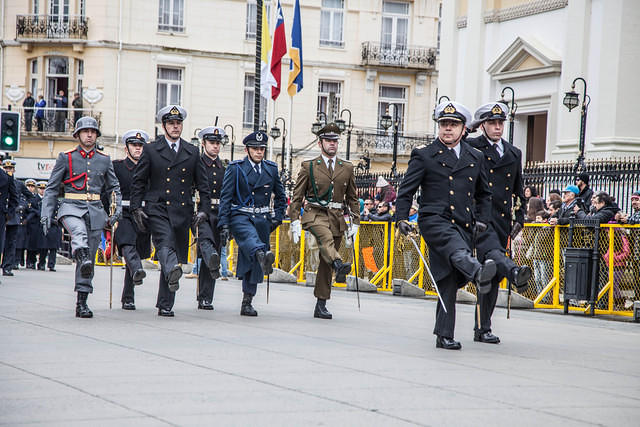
(577,275)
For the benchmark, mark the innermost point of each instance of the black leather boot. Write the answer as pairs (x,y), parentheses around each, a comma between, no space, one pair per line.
(321,311)
(86,265)
(341,269)
(247,309)
(82,310)
(520,277)
(138,276)
(266,260)
(174,277)
(211,258)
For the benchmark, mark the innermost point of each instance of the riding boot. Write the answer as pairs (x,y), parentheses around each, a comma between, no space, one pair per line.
(82,310)
(247,309)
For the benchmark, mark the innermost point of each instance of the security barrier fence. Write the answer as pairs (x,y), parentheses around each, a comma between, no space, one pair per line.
(382,255)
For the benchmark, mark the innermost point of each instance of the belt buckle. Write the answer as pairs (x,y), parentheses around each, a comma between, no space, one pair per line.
(256,210)
(88,197)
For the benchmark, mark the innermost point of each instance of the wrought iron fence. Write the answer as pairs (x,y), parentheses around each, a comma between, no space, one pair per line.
(52,26)
(379,141)
(54,120)
(420,57)
(618,177)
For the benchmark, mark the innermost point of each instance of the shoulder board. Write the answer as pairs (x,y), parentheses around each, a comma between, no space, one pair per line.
(474,149)
(72,150)
(235,162)
(100,152)
(343,161)
(271,162)
(421,146)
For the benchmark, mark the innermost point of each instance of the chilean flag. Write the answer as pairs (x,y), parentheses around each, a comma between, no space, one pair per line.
(277,52)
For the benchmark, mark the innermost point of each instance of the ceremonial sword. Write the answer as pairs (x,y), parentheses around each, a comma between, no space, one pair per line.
(426,266)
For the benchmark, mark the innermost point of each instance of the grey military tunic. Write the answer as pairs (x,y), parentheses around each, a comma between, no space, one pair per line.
(79,172)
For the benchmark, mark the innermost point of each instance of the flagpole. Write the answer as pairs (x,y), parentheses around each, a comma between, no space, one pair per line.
(256,87)
(290,133)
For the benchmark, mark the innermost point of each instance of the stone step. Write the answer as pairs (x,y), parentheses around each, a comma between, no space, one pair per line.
(281,276)
(363,285)
(517,300)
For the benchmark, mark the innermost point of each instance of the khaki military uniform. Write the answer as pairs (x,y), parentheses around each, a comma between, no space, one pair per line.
(325,193)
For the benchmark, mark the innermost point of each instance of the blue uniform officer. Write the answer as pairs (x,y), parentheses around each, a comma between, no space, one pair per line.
(245,213)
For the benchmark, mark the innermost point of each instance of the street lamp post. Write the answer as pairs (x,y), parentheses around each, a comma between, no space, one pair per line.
(319,124)
(275,134)
(572,100)
(512,110)
(225,140)
(348,126)
(386,121)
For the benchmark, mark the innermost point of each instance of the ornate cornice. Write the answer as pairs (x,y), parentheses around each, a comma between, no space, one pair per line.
(515,12)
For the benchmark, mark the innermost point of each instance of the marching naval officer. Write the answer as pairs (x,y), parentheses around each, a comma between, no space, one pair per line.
(208,234)
(132,244)
(503,166)
(81,174)
(245,213)
(451,176)
(327,183)
(165,178)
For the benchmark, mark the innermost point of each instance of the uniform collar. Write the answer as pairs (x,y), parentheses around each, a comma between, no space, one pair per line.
(209,161)
(86,154)
(326,160)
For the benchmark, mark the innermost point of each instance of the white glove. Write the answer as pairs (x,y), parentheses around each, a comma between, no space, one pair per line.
(296,230)
(352,231)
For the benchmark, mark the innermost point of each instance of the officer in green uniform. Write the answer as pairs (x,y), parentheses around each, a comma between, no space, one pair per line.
(327,183)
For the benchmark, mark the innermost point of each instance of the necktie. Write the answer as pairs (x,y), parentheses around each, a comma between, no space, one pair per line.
(257,169)
(453,151)
(498,149)
(331,166)
(173,147)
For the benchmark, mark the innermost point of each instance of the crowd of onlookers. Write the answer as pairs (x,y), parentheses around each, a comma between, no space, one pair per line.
(60,104)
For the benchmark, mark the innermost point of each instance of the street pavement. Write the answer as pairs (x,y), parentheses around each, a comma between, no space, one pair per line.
(375,367)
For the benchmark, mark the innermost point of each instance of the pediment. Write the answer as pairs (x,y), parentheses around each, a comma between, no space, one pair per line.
(524,58)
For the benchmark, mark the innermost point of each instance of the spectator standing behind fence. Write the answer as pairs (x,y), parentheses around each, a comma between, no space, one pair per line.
(40,113)
(77,107)
(385,191)
(382,213)
(554,195)
(61,103)
(605,209)
(634,218)
(529,192)
(534,207)
(586,193)
(570,206)
(541,251)
(28,104)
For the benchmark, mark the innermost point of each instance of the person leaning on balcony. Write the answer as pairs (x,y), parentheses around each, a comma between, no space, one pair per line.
(77,106)
(451,176)
(328,184)
(40,112)
(61,103)
(28,104)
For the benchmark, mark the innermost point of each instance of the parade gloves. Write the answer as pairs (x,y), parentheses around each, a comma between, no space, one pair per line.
(198,219)
(405,227)
(139,217)
(481,227)
(296,230)
(352,231)
(45,221)
(275,224)
(515,230)
(225,235)
(113,219)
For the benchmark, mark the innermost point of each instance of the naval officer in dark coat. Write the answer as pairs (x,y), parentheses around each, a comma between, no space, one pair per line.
(503,165)
(81,175)
(132,244)
(209,244)
(9,259)
(169,171)
(246,213)
(451,176)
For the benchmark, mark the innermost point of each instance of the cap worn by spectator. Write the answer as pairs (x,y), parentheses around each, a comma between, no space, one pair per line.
(635,195)
(381,182)
(571,189)
(584,177)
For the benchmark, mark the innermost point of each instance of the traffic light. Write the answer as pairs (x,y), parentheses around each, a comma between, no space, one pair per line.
(9,131)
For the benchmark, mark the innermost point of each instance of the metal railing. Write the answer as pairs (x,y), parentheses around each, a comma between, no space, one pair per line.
(379,141)
(618,177)
(52,119)
(378,54)
(52,27)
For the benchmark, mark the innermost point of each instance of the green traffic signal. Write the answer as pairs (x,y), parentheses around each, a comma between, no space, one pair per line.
(8,140)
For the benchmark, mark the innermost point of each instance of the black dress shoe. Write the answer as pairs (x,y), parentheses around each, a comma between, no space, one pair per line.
(447,343)
(137,277)
(30,267)
(321,311)
(52,269)
(521,276)
(7,273)
(205,305)
(165,313)
(247,309)
(174,276)
(266,260)
(487,337)
(484,275)
(341,269)
(128,305)
(41,268)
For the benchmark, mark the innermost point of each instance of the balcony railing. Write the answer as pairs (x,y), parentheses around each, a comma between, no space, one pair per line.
(53,120)
(378,141)
(51,27)
(418,57)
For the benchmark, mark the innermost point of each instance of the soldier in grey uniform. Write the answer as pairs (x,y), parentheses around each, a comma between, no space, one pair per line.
(78,177)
